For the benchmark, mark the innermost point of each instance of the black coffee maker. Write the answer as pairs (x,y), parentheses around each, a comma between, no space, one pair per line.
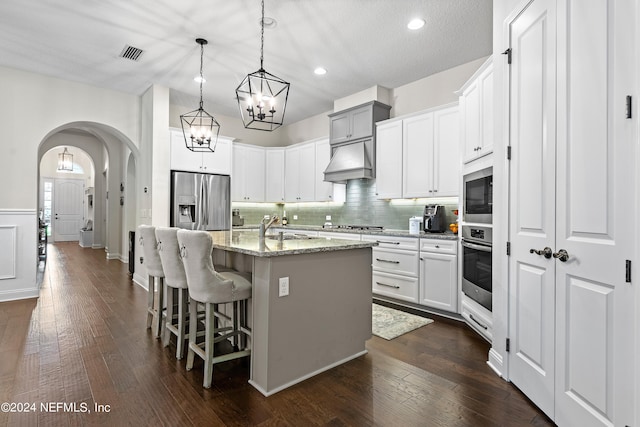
(434,219)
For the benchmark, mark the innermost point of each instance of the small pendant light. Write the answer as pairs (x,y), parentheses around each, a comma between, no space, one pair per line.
(262,97)
(200,128)
(65,160)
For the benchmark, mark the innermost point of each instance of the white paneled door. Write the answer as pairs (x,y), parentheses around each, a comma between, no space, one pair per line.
(67,209)
(533,142)
(573,191)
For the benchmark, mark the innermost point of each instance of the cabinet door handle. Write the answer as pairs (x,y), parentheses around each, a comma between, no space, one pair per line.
(479,324)
(388,286)
(387,260)
(387,242)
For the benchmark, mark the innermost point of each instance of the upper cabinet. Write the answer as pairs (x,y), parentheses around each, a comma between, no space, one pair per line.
(247,181)
(183,159)
(418,155)
(476,109)
(389,160)
(300,163)
(357,122)
(274,178)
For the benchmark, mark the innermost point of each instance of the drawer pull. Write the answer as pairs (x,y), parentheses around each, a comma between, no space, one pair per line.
(387,260)
(388,286)
(387,242)
(480,324)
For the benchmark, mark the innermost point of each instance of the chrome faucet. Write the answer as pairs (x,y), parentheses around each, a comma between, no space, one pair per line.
(263,228)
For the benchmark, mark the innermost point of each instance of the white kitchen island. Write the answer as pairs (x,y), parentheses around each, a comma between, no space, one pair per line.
(324,320)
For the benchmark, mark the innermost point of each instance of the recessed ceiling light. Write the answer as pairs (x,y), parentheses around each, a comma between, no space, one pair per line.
(197,79)
(320,71)
(415,24)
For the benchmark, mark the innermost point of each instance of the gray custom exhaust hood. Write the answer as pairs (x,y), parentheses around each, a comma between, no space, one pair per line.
(351,160)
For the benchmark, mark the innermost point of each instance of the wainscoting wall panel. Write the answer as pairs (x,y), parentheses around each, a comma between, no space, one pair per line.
(19,249)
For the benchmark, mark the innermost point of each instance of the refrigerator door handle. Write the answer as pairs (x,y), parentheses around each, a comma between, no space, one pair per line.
(205,202)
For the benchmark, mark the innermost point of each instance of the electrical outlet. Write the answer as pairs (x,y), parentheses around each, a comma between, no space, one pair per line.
(283,289)
(266,217)
(327,218)
(141,260)
(295,217)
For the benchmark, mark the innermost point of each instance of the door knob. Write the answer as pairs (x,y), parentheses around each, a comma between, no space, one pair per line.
(562,255)
(547,252)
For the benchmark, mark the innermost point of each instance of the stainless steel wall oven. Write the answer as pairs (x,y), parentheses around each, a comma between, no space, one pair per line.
(476,264)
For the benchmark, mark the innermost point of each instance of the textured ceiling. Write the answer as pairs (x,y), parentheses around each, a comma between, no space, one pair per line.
(361,43)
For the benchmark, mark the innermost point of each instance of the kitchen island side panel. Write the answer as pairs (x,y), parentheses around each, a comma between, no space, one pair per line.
(324,321)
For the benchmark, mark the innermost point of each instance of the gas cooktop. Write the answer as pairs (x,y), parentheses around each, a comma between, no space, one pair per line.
(354,227)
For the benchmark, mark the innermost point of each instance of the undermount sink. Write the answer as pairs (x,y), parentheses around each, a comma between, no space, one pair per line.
(290,236)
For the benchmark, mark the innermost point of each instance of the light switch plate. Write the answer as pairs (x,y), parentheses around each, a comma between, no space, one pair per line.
(295,217)
(283,288)
(328,217)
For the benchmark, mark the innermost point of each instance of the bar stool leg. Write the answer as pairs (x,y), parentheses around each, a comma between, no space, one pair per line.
(182,322)
(166,336)
(150,300)
(157,319)
(193,331)
(208,345)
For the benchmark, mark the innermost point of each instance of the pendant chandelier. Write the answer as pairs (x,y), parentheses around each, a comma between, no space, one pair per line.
(200,128)
(65,160)
(262,97)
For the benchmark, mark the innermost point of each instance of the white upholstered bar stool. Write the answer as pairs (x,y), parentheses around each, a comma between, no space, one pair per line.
(153,265)
(176,281)
(211,288)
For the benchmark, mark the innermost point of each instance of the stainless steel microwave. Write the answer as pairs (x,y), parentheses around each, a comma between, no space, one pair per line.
(478,197)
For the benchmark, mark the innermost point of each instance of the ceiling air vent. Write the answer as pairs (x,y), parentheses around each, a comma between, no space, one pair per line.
(132,53)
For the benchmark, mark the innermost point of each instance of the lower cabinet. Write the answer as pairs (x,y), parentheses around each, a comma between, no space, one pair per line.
(439,274)
(478,317)
(395,267)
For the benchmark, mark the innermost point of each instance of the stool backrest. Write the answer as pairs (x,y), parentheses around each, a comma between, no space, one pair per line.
(205,284)
(152,261)
(169,252)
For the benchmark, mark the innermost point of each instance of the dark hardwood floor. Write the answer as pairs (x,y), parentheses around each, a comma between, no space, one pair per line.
(84,342)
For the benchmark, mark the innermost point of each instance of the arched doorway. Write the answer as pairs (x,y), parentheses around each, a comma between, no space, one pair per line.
(114,155)
(66,194)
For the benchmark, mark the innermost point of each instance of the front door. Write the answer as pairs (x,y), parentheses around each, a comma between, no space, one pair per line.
(67,209)
(573,190)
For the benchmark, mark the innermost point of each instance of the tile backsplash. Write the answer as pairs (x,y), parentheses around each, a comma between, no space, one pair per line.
(360,208)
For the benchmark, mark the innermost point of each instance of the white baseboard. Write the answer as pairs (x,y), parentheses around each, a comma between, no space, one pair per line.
(19,294)
(140,281)
(111,255)
(495,362)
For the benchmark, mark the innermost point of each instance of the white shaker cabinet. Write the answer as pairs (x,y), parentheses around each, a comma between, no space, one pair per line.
(300,162)
(389,160)
(395,268)
(418,155)
(476,109)
(274,175)
(183,159)
(439,274)
(247,180)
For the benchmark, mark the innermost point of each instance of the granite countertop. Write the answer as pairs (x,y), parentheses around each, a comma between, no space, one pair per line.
(246,241)
(448,235)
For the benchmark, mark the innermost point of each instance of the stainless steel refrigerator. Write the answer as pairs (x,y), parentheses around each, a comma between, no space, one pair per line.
(200,201)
